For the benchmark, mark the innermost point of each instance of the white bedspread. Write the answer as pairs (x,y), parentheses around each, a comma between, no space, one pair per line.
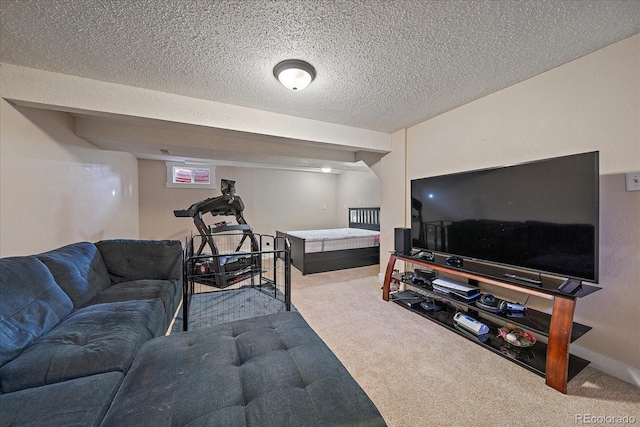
(335,239)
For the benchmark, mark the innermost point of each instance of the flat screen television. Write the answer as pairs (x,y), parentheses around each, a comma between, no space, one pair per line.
(540,216)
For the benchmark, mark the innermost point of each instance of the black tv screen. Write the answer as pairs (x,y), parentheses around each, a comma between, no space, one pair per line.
(540,216)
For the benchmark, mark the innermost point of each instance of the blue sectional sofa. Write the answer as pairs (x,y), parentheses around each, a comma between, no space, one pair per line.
(82,343)
(73,319)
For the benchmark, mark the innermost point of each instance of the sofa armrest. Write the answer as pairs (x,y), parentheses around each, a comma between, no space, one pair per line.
(128,260)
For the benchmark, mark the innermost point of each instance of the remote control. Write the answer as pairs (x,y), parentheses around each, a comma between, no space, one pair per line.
(570,286)
(470,324)
(522,278)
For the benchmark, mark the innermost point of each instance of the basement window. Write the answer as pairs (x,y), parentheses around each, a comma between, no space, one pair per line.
(181,175)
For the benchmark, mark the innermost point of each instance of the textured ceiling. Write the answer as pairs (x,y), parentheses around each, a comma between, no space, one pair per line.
(381,64)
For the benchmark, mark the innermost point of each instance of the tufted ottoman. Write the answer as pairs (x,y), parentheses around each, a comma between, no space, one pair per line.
(265,371)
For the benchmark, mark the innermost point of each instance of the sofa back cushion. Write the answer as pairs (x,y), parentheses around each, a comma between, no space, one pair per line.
(31,303)
(79,270)
(128,260)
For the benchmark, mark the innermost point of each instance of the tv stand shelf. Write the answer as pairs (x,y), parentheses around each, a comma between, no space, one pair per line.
(534,320)
(551,360)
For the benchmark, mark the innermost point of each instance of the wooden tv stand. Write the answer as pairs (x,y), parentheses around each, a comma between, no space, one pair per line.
(558,366)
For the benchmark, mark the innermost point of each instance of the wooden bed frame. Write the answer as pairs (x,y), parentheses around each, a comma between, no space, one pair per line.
(317,262)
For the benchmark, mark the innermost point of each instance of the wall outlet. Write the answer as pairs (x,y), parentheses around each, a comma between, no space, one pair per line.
(633,181)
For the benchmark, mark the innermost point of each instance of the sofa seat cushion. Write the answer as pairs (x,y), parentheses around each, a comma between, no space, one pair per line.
(165,290)
(80,402)
(96,339)
(31,303)
(128,260)
(79,270)
(265,371)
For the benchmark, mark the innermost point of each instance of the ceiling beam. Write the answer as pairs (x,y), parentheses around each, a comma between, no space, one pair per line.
(43,89)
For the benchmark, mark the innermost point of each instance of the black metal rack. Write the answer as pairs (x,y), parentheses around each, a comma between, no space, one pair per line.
(551,359)
(246,277)
(532,358)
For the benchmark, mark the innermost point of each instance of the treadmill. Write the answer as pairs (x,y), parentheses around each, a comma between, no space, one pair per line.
(212,267)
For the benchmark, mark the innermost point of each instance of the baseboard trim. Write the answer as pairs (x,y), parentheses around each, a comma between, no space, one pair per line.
(173,320)
(609,366)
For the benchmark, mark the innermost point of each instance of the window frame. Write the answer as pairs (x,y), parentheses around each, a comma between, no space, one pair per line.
(173,166)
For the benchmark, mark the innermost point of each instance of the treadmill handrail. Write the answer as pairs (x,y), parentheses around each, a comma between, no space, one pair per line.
(231,227)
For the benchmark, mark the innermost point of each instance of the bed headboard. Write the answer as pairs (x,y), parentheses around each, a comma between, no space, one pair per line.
(366,218)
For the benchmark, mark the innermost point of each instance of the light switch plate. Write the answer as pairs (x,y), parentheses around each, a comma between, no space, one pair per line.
(633,181)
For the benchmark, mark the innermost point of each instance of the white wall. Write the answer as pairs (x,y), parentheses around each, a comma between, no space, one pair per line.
(356,189)
(289,200)
(56,188)
(157,203)
(274,200)
(393,206)
(592,103)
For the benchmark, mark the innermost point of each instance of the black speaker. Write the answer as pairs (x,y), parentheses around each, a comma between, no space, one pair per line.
(403,241)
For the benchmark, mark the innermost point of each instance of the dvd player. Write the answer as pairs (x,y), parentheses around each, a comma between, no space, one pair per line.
(461,289)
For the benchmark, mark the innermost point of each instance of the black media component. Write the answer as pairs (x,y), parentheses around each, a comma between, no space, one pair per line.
(408,298)
(433,305)
(423,277)
(523,279)
(492,304)
(426,256)
(403,241)
(539,217)
(489,303)
(454,261)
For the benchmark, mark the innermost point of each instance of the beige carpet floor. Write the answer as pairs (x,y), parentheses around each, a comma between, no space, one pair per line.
(421,374)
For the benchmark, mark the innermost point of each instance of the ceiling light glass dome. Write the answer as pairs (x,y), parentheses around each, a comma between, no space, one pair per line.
(294,74)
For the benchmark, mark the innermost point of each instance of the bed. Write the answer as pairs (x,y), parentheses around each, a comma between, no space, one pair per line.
(315,251)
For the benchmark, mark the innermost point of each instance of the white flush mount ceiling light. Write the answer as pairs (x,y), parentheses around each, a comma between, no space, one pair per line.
(294,74)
